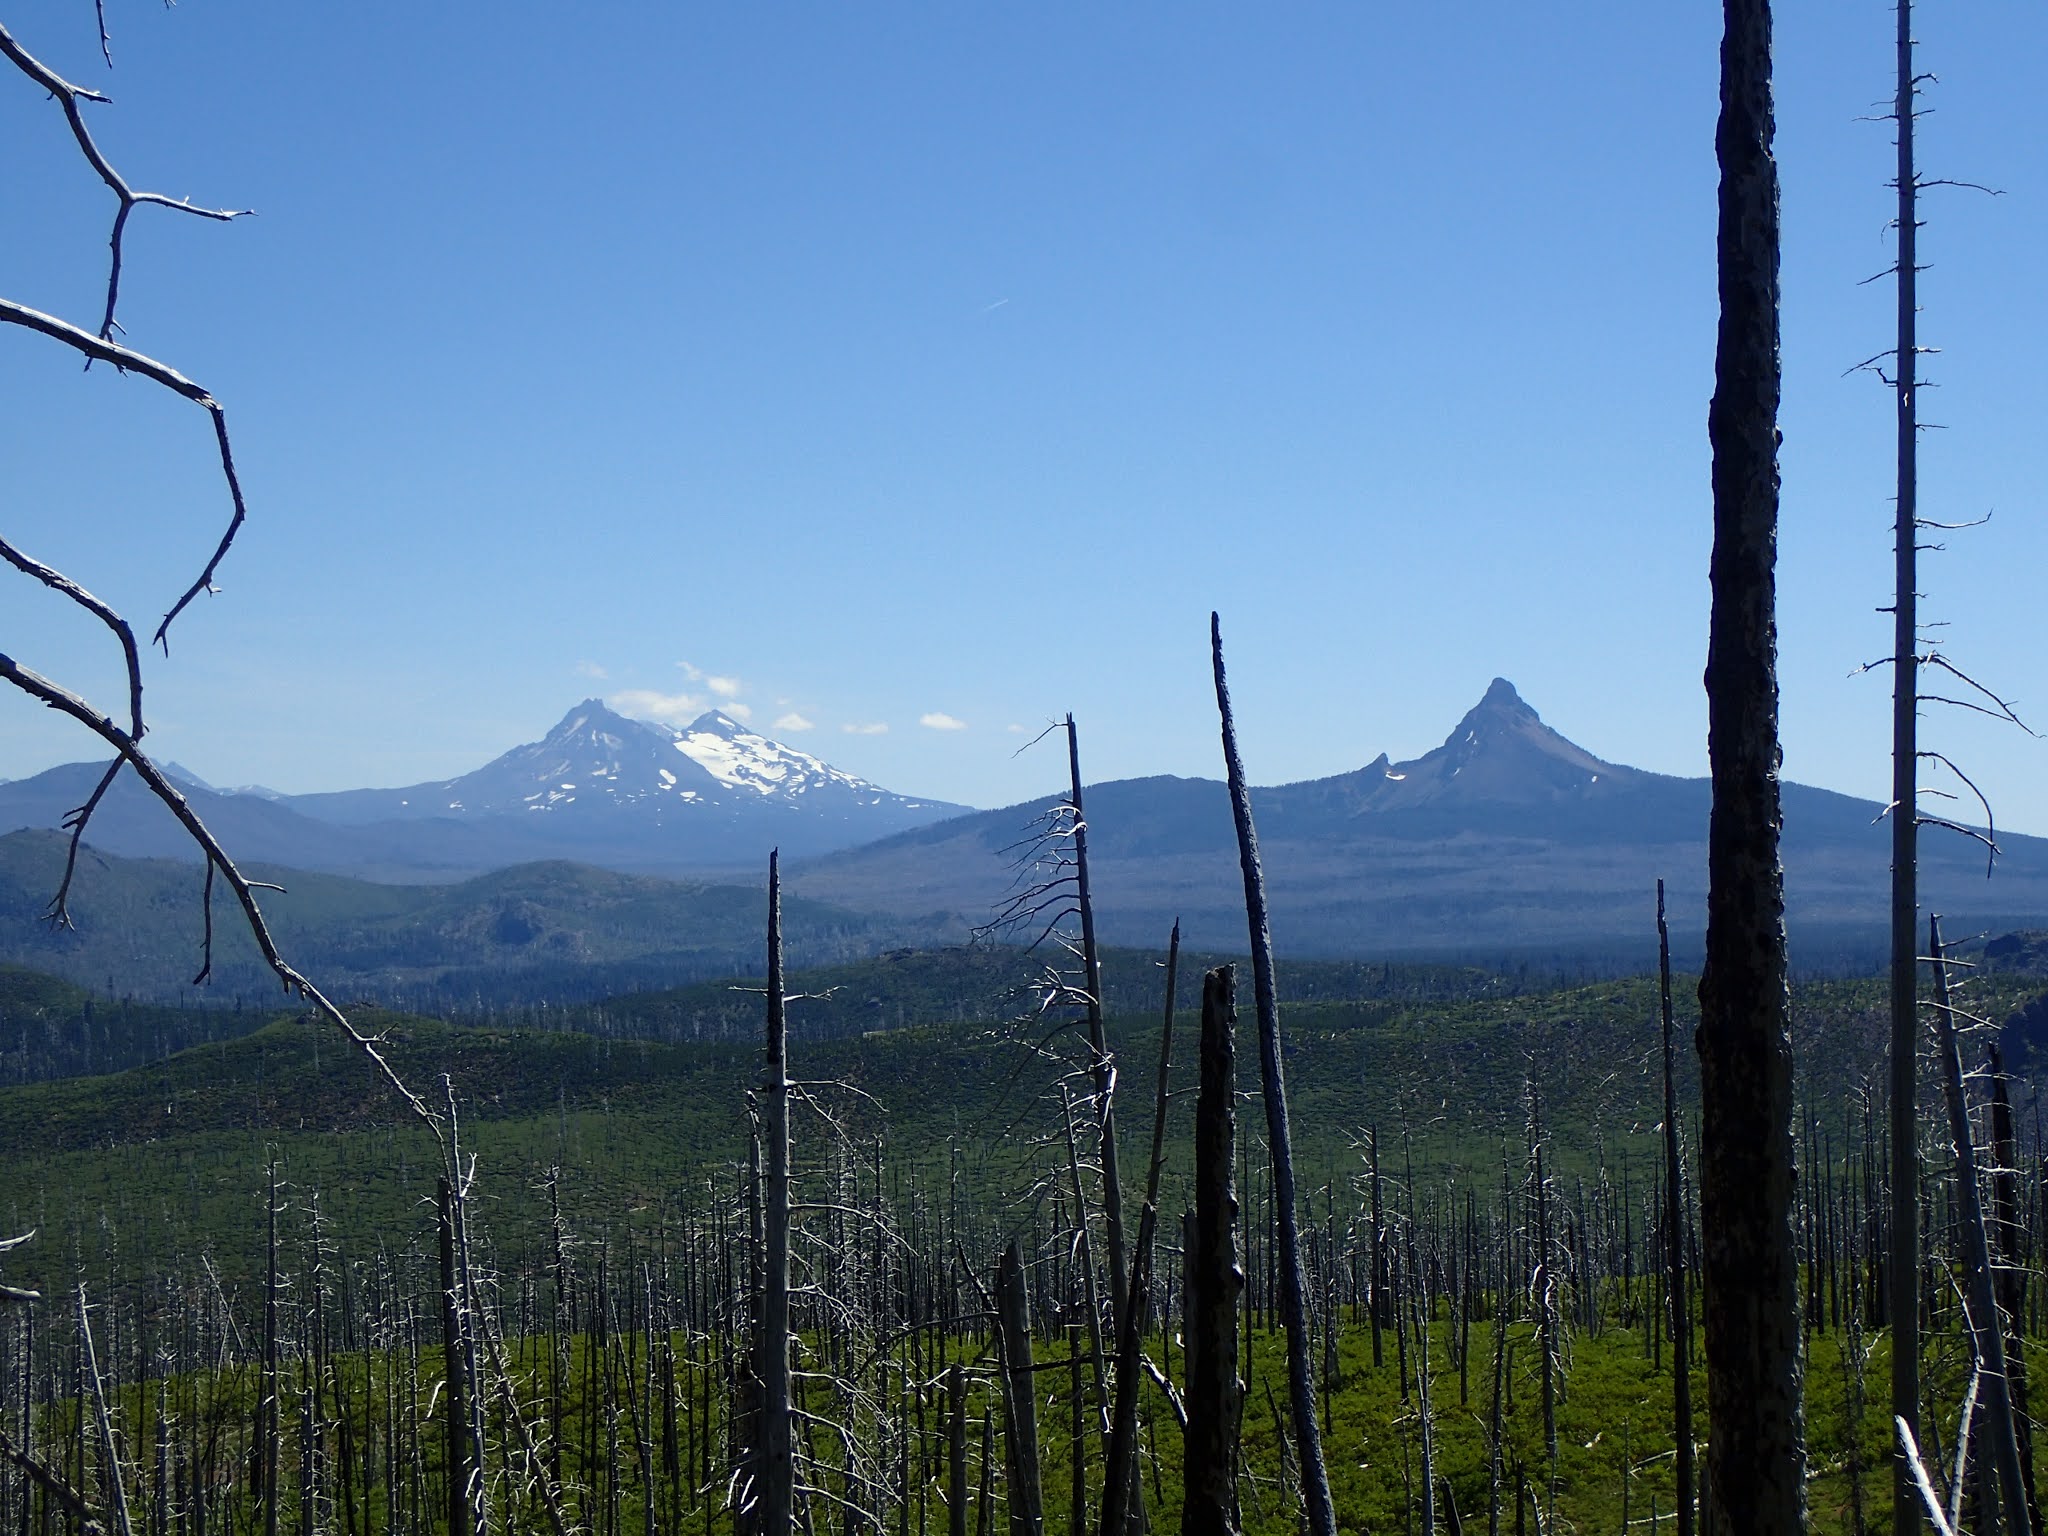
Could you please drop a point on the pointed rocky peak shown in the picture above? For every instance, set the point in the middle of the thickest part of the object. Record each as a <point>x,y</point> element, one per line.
<point>1500,708</point>
<point>184,775</point>
<point>1500,751</point>
<point>595,720</point>
<point>716,722</point>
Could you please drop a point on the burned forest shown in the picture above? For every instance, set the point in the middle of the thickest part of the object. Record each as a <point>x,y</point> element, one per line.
<point>601,1194</point>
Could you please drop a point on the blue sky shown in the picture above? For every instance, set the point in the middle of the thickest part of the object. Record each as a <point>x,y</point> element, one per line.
<point>920,362</point>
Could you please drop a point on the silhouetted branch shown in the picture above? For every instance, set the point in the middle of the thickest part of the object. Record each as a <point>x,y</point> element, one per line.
<point>130,361</point>
<point>69,97</point>
<point>68,703</point>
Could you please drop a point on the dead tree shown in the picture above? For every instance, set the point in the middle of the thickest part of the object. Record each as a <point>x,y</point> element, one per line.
<point>1756,1457</point>
<point>1987,1329</point>
<point>1904,1259</point>
<point>1215,1395</point>
<point>126,740</point>
<point>1913,654</point>
<point>1301,1390</point>
<point>775,1465</point>
<point>1053,890</point>
<point>1020,1396</point>
<point>1674,1243</point>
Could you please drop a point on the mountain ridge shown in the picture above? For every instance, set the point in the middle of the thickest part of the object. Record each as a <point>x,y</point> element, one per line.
<point>598,788</point>
<point>1505,835</point>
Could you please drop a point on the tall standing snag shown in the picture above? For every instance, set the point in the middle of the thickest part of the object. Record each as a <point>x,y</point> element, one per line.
<point>775,1464</point>
<point>1215,1395</point>
<point>1301,1391</point>
<point>1987,1328</point>
<point>1756,1457</point>
<point>1903,1278</point>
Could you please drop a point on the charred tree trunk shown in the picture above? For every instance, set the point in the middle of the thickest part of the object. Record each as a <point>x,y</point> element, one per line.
<point>1020,1396</point>
<point>1903,1277</point>
<point>1756,1458</point>
<point>776,1463</point>
<point>1301,1390</point>
<point>1120,1479</point>
<point>1215,1395</point>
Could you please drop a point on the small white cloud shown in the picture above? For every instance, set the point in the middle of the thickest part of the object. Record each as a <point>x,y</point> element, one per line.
<point>724,687</point>
<point>591,669</point>
<point>878,728</point>
<point>938,720</point>
<point>1014,730</point>
<point>794,722</point>
<point>690,672</point>
<point>647,704</point>
<point>739,711</point>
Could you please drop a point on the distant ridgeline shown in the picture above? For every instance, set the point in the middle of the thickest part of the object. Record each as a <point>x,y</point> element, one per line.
<point>530,877</point>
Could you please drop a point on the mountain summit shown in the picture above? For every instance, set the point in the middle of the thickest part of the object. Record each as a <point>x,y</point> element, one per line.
<point>1506,835</point>
<point>598,763</point>
<point>1500,753</point>
<point>599,788</point>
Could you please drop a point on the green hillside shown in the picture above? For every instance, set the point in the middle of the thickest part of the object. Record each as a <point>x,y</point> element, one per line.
<point>150,1166</point>
<point>553,932</point>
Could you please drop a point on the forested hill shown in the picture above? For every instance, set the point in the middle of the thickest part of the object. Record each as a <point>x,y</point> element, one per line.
<point>534,933</point>
<point>637,1123</point>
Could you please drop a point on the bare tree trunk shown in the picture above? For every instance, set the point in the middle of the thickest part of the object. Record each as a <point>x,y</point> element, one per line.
<point>268,1424</point>
<point>1674,1243</point>
<point>1315,1481</point>
<point>777,1459</point>
<point>1987,1330</point>
<point>1215,1395</point>
<point>1904,1259</point>
<point>1120,1479</point>
<point>2009,1266</point>
<point>1756,1456</point>
<point>1020,1396</point>
<point>1098,1044</point>
<point>1084,1248</point>
<point>1162,1095</point>
<point>117,1487</point>
<point>456,1408</point>
<point>956,1451</point>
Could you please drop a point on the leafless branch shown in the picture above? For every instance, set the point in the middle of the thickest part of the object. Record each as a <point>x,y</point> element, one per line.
<point>54,1486</point>
<point>69,97</point>
<point>2000,706</point>
<point>68,703</point>
<point>58,913</point>
<point>1969,186</point>
<point>58,582</point>
<point>1990,825</point>
<point>130,361</point>
<point>1970,832</point>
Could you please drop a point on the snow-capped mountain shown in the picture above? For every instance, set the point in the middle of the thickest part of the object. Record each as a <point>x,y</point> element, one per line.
<point>605,788</point>
<point>744,759</point>
<point>597,760</point>
<point>599,789</point>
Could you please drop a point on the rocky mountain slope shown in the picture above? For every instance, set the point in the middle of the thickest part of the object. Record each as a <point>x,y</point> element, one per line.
<point>1507,836</point>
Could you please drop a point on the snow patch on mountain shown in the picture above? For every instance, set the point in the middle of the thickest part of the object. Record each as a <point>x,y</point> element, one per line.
<point>746,760</point>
